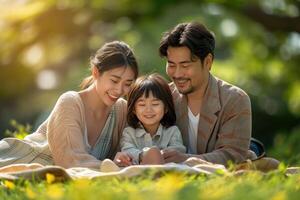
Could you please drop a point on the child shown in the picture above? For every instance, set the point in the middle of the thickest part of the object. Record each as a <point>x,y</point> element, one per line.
<point>151,119</point>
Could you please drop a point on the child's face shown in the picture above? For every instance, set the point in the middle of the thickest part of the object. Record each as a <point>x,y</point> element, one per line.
<point>149,111</point>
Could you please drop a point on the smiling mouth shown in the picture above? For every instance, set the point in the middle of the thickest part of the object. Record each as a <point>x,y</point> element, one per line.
<point>112,96</point>
<point>180,82</point>
<point>149,116</point>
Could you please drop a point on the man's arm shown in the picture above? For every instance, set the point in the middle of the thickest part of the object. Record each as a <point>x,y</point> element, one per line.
<point>233,138</point>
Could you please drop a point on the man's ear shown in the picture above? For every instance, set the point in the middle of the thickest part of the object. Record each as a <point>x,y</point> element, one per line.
<point>95,72</point>
<point>208,61</point>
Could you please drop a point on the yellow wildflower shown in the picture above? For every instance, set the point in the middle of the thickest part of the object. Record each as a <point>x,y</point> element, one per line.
<point>54,191</point>
<point>30,194</point>
<point>50,178</point>
<point>10,185</point>
<point>279,196</point>
<point>81,184</point>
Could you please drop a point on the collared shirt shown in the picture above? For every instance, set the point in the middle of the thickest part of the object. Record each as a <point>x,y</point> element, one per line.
<point>134,140</point>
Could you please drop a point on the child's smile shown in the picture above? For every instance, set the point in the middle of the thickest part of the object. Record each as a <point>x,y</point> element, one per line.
<point>149,111</point>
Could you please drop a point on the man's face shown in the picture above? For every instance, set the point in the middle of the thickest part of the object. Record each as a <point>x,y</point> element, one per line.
<point>188,74</point>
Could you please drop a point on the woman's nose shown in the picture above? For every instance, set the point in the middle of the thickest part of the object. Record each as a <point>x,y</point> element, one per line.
<point>120,89</point>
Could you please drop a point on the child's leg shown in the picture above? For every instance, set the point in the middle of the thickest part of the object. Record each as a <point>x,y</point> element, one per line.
<point>108,165</point>
<point>152,156</point>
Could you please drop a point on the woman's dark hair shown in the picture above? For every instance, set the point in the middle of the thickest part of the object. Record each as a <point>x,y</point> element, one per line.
<point>194,36</point>
<point>159,88</point>
<point>112,55</point>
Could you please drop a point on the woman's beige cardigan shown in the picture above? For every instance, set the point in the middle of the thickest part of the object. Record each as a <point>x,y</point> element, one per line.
<point>61,139</point>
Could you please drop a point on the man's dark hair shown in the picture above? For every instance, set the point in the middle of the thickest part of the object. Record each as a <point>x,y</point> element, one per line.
<point>194,36</point>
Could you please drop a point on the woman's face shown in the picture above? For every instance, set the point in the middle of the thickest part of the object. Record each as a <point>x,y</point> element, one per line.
<point>113,84</point>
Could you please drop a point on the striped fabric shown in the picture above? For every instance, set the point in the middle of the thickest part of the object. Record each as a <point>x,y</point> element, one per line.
<point>62,138</point>
<point>14,151</point>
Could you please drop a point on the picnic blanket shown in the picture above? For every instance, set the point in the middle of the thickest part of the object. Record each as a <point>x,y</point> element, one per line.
<point>191,167</point>
<point>62,174</point>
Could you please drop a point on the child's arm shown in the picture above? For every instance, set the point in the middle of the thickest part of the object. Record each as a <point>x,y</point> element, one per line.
<point>176,140</point>
<point>129,144</point>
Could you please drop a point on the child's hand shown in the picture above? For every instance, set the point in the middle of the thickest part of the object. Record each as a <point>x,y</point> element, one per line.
<point>122,159</point>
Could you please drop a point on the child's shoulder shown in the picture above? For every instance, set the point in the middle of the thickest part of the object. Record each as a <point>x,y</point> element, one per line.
<point>173,128</point>
<point>129,129</point>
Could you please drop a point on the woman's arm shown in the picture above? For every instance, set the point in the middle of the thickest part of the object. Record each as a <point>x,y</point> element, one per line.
<point>65,135</point>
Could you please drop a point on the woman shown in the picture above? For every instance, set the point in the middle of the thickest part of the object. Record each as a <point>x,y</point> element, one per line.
<point>84,127</point>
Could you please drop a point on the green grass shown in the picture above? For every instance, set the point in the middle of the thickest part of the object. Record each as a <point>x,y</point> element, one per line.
<point>252,185</point>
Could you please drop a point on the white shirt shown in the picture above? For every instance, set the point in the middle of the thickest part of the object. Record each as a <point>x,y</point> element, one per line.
<point>193,131</point>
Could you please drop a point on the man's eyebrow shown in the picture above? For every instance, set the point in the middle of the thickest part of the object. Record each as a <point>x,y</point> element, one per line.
<point>182,62</point>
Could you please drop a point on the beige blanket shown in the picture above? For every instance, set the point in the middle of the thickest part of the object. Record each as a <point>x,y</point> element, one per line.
<point>191,167</point>
<point>62,174</point>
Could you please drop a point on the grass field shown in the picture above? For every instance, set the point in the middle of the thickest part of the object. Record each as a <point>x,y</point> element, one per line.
<point>252,185</point>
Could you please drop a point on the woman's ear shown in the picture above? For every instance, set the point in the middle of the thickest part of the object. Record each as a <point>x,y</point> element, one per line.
<point>95,72</point>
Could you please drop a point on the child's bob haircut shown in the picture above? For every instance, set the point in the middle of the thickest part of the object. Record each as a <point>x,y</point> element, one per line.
<point>159,88</point>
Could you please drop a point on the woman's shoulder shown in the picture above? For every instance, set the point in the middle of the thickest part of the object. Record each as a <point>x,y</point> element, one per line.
<point>121,102</point>
<point>121,105</point>
<point>69,101</point>
<point>69,97</point>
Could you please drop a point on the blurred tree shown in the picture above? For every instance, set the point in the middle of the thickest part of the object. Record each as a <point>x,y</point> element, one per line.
<point>45,46</point>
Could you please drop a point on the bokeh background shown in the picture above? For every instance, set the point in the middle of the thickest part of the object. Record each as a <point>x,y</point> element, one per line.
<point>45,47</point>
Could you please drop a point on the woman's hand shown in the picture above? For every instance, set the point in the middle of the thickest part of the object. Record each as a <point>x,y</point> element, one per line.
<point>123,159</point>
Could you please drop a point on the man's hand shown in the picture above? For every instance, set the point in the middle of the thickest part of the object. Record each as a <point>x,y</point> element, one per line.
<point>122,159</point>
<point>172,155</point>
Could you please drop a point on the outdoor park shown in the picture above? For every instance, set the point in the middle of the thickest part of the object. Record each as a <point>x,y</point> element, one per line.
<point>45,50</point>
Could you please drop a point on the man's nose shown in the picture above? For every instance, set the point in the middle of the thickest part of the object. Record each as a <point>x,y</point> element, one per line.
<point>177,72</point>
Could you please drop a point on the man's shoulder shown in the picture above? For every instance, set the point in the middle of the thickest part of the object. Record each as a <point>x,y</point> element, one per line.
<point>228,89</point>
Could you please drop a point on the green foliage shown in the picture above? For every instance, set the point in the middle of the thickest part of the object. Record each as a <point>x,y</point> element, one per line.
<point>286,147</point>
<point>259,54</point>
<point>252,185</point>
<point>20,131</point>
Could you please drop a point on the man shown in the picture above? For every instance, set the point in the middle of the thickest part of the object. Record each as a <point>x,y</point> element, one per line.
<point>213,116</point>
